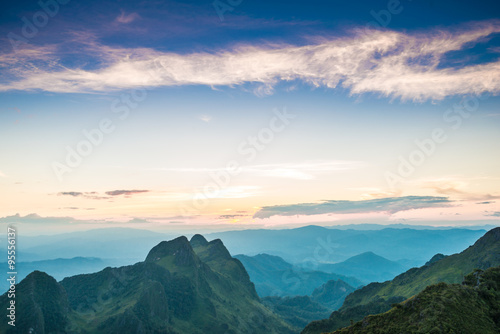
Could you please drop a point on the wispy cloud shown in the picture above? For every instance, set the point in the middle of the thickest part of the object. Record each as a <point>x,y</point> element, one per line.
<point>71,193</point>
<point>125,192</point>
<point>446,186</point>
<point>234,192</point>
<point>494,214</point>
<point>205,118</point>
<point>2,174</point>
<point>96,195</point>
<point>298,171</point>
<point>231,216</point>
<point>388,63</point>
<point>390,205</point>
<point>302,171</point>
<point>127,18</point>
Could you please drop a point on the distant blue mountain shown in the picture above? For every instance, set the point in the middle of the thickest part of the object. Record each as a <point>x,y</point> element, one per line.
<point>58,268</point>
<point>273,276</point>
<point>315,245</point>
<point>368,267</point>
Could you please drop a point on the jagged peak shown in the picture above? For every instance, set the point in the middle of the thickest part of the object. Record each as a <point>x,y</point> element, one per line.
<point>40,276</point>
<point>435,258</point>
<point>493,233</point>
<point>217,247</point>
<point>198,240</point>
<point>490,238</point>
<point>179,248</point>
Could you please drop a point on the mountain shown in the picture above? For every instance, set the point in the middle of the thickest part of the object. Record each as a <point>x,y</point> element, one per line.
<point>273,276</point>
<point>367,267</point>
<point>112,243</point>
<point>315,245</point>
<point>298,311</point>
<point>332,293</point>
<point>378,297</point>
<point>182,287</point>
<point>41,306</point>
<point>58,268</point>
<point>473,307</point>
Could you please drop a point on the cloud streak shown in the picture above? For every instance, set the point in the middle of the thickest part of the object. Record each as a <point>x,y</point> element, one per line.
<point>387,63</point>
<point>390,205</point>
<point>95,195</point>
<point>494,214</point>
<point>125,192</point>
<point>297,171</point>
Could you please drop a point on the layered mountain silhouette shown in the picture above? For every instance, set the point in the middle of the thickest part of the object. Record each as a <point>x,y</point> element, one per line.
<point>182,287</point>
<point>379,297</point>
<point>273,276</point>
<point>298,311</point>
<point>470,307</point>
<point>367,267</point>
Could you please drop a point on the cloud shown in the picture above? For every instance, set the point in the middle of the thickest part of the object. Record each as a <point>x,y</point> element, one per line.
<point>230,216</point>
<point>388,63</point>
<point>487,202</point>
<point>87,195</point>
<point>205,118</point>
<point>125,192</point>
<point>36,219</point>
<point>2,174</point>
<point>138,221</point>
<point>127,18</point>
<point>301,171</point>
<point>494,214</point>
<point>390,205</point>
<point>446,186</point>
<point>71,193</point>
<point>95,195</point>
<point>298,171</point>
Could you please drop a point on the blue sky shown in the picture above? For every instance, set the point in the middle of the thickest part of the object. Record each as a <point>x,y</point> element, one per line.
<point>121,111</point>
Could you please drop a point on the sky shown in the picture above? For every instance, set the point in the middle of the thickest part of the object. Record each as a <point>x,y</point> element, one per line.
<point>239,114</point>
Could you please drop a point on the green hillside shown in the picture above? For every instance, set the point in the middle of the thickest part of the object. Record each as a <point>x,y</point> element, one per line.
<point>378,297</point>
<point>483,254</point>
<point>178,289</point>
<point>473,307</point>
<point>332,294</point>
<point>273,276</point>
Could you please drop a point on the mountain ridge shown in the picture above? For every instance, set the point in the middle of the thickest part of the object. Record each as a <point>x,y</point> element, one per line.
<point>173,291</point>
<point>378,297</point>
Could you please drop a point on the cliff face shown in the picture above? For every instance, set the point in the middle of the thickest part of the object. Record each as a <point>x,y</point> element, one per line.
<point>177,289</point>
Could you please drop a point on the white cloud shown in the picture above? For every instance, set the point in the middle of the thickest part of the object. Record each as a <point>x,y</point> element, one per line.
<point>2,174</point>
<point>388,63</point>
<point>302,171</point>
<point>205,118</point>
<point>298,171</point>
<point>127,18</point>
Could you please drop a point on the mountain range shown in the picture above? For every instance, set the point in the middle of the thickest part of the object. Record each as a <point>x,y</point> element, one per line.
<point>367,267</point>
<point>313,246</point>
<point>273,276</point>
<point>470,307</point>
<point>182,287</point>
<point>379,297</point>
<point>59,268</point>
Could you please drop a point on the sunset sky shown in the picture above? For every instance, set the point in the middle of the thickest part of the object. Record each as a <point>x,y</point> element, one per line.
<point>235,114</point>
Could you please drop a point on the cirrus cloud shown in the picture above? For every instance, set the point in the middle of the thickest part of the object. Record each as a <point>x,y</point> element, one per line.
<point>388,63</point>
<point>390,205</point>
